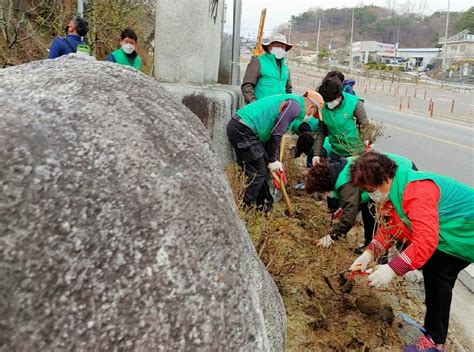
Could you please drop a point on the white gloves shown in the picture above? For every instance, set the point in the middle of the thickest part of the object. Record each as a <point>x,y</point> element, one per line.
<point>316,160</point>
<point>326,241</point>
<point>381,276</point>
<point>276,166</point>
<point>362,262</point>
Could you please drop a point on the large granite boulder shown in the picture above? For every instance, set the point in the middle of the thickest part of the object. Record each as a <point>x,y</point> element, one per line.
<point>117,227</point>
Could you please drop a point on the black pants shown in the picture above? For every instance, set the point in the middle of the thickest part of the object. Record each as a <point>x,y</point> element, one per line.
<point>370,225</point>
<point>440,273</point>
<point>252,157</point>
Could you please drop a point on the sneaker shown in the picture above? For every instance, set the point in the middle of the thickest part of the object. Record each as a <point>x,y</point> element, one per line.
<point>424,344</point>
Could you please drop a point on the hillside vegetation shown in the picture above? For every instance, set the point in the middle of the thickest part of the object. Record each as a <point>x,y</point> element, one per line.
<point>372,23</point>
<point>27,27</point>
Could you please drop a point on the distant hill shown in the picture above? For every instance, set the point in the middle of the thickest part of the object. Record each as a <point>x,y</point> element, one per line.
<point>370,23</point>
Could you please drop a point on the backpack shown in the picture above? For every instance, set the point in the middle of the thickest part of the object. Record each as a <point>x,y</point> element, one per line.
<point>82,49</point>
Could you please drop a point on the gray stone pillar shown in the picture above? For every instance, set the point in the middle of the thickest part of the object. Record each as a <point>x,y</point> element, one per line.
<point>188,40</point>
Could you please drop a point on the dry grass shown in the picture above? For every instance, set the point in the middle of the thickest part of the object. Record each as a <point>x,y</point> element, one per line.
<point>318,319</point>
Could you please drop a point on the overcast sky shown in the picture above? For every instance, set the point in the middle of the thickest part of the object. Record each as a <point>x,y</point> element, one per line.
<point>279,11</point>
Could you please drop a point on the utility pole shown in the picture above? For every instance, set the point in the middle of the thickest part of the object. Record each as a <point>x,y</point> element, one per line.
<point>352,38</point>
<point>317,40</point>
<point>396,51</point>
<point>317,43</point>
<point>236,43</point>
<point>80,8</point>
<point>445,49</point>
<point>289,39</point>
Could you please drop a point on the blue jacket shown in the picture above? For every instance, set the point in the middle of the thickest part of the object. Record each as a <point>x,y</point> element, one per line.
<point>64,45</point>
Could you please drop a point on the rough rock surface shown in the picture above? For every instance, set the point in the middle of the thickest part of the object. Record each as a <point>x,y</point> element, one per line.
<point>117,227</point>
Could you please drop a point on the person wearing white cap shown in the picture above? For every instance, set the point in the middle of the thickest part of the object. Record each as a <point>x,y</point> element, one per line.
<point>268,74</point>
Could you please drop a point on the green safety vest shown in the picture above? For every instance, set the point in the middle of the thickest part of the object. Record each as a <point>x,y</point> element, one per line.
<point>313,125</point>
<point>121,58</point>
<point>345,174</point>
<point>455,208</point>
<point>342,129</point>
<point>260,116</point>
<point>272,80</point>
<point>312,122</point>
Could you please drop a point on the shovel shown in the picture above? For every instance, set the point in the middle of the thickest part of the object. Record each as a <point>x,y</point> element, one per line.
<point>283,192</point>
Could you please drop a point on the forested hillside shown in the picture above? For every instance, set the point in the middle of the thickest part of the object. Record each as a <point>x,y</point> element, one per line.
<point>372,23</point>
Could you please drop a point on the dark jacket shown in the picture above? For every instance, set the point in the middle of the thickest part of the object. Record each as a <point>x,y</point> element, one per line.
<point>349,200</point>
<point>64,45</point>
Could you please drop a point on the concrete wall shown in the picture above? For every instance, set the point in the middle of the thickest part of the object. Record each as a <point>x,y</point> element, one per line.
<point>187,41</point>
<point>214,105</point>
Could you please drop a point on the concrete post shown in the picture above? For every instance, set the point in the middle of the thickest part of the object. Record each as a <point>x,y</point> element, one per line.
<point>187,41</point>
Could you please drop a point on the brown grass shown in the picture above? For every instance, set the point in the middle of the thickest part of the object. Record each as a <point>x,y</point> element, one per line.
<point>318,319</point>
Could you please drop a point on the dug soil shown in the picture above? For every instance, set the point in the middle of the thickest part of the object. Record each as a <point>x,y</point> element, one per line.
<point>353,317</point>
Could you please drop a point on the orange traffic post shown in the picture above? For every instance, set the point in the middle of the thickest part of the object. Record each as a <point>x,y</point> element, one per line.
<point>432,109</point>
<point>401,104</point>
<point>452,106</point>
<point>429,104</point>
<point>408,103</point>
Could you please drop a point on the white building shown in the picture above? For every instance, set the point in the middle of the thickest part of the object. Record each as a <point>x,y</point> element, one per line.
<point>367,50</point>
<point>418,58</point>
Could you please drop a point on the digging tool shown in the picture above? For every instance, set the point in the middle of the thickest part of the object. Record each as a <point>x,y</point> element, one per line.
<point>353,274</point>
<point>283,192</point>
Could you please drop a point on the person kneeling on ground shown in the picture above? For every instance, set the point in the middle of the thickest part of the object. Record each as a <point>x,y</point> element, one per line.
<point>434,215</point>
<point>327,176</point>
<point>255,132</point>
<point>305,129</point>
<point>127,54</point>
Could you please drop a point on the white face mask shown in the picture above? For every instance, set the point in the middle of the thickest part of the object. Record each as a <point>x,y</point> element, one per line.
<point>332,104</point>
<point>378,196</point>
<point>278,52</point>
<point>307,117</point>
<point>128,48</point>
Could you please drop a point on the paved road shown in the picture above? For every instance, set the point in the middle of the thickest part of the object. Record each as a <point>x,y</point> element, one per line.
<point>434,145</point>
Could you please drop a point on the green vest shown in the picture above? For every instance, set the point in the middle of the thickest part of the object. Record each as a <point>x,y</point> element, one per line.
<point>312,122</point>
<point>345,175</point>
<point>342,129</point>
<point>271,80</point>
<point>122,58</point>
<point>260,116</point>
<point>455,208</point>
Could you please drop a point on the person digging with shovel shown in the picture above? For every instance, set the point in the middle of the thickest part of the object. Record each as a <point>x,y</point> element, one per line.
<point>255,132</point>
<point>334,175</point>
<point>434,215</point>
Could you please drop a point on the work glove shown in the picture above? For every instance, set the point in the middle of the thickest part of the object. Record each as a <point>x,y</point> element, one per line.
<point>381,276</point>
<point>276,166</point>
<point>281,175</point>
<point>316,160</point>
<point>326,241</point>
<point>362,261</point>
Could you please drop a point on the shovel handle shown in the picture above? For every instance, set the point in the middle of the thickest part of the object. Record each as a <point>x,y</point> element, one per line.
<point>283,192</point>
